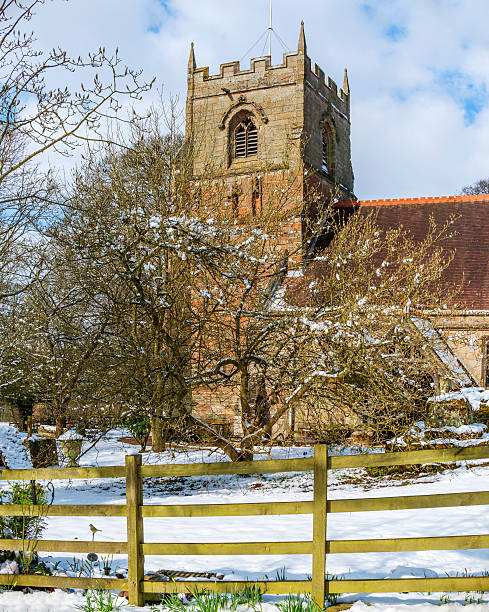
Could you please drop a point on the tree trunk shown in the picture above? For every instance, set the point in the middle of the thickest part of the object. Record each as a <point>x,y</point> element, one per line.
<point>291,428</point>
<point>246,454</point>
<point>157,433</point>
<point>60,425</point>
<point>25,412</point>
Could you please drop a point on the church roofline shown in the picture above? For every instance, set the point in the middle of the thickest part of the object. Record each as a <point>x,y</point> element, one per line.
<point>411,201</point>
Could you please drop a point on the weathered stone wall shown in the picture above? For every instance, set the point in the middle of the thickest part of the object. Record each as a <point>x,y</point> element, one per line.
<point>466,334</point>
<point>290,104</point>
<point>323,104</point>
<point>272,94</point>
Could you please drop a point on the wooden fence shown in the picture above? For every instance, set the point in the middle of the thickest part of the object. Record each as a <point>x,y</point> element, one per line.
<point>135,511</point>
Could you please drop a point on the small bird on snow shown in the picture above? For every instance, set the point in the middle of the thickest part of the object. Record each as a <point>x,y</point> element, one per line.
<point>94,530</point>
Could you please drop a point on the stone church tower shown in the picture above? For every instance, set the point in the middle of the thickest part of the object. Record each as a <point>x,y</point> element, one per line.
<point>251,128</point>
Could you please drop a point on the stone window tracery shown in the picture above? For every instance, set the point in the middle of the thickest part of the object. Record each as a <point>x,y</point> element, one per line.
<point>325,160</point>
<point>329,141</point>
<point>328,151</point>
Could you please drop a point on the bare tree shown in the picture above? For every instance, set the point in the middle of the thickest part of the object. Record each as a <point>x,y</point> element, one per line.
<point>51,350</point>
<point>208,301</point>
<point>36,119</point>
<point>479,187</point>
<point>133,217</point>
<point>53,118</point>
<point>368,300</point>
<point>343,340</point>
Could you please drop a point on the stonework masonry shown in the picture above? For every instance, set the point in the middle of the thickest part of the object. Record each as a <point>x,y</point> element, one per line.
<point>293,107</point>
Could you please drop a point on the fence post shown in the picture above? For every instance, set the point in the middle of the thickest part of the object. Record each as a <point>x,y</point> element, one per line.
<point>135,534</point>
<point>319,523</point>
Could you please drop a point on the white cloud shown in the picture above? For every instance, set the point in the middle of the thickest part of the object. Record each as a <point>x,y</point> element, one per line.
<point>412,64</point>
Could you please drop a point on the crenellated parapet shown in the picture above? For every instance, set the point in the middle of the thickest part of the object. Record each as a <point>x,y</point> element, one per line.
<point>231,76</point>
<point>325,86</point>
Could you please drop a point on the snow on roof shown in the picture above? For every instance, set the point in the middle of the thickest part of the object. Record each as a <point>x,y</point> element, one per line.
<point>442,350</point>
<point>12,449</point>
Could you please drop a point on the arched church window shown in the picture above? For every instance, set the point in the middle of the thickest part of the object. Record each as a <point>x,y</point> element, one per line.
<point>245,139</point>
<point>328,152</point>
<point>325,160</point>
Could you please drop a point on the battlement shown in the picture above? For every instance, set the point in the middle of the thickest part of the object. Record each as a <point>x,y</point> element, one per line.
<point>257,65</point>
<point>295,65</point>
<point>326,87</point>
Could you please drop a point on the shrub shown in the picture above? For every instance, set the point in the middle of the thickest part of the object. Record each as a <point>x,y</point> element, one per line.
<point>481,415</point>
<point>22,527</point>
<point>409,470</point>
<point>139,425</point>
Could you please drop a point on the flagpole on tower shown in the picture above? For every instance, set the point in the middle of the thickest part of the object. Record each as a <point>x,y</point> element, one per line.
<point>270,28</point>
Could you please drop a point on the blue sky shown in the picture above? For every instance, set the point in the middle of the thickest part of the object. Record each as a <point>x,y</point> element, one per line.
<point>419,70</point>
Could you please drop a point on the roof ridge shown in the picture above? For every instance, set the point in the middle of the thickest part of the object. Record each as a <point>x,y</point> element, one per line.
<point>481,197</point>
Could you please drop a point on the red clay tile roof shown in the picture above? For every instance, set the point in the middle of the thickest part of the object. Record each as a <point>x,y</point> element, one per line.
<point>470,242</point>
<point>428,200</point>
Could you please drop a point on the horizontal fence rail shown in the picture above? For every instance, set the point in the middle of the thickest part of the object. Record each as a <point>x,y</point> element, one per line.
<point>62,582</point>
<point>115,471</point>
<point>67,546</point>
<point>228,548</point>
<point>408,544</point>
<point>245,509</point>
<point>226,468</point>
<point>410,502</point>
<point>405,585</point>
<point>463,453</point>
<point>62,510</point>
<point>283,587</point>
<point>135,511</point>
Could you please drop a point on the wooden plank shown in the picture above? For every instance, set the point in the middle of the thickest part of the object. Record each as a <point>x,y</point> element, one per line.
<point>68,546</point>
<point>319,523</point>
<point>187,586</point>
<point>406,585</point>
<point>62,510</point>
<point>244,467</point>
<point>467,542</point>
<point>115,471</point>
<point>410,502</point>
<point>246,509</point>
<point>440,455</point>
<point>62,582</point>
<point>227,548</point>
<point>135,533</point>
<point>255,467</point>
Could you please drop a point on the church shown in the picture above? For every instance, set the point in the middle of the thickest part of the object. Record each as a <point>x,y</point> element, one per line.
<point>252,126</point>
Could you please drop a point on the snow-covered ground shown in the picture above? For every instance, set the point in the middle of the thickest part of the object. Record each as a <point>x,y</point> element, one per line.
<point>275,487</point>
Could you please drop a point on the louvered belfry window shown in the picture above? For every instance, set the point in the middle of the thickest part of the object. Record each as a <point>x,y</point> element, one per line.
<point>245,139</point>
